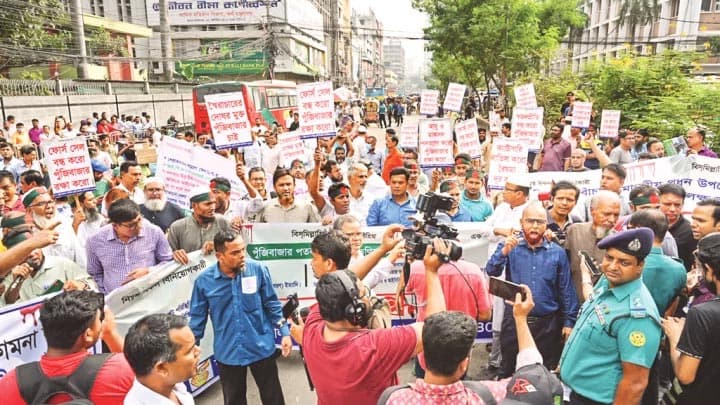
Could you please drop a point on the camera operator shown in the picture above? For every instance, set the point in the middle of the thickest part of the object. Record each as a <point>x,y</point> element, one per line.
<point>347,362</point>
<point>529,258</point>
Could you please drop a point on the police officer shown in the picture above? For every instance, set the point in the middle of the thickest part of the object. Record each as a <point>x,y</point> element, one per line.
<point>608,356</point>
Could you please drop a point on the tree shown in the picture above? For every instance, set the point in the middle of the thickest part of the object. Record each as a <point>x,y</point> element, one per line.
<point>634,13</point>
<point>33,30</point>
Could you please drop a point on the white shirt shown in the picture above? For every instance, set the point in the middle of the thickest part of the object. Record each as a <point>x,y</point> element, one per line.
<point>142,395</point>
<point>69,133</point>
<point>270,159</point>
<point>376,185</point>
<point>359,207</point>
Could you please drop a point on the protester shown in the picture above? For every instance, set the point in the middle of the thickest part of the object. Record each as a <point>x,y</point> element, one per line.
<point>672,199</point>
<point>564,196</point>
<point>555,154</point>
<point>130,176</point>
<point>473,200</point>
<point>696,143</point>
<point>393,159</point>
<point>285,207</point>
<point>156,208</point>
<point>396,207</point>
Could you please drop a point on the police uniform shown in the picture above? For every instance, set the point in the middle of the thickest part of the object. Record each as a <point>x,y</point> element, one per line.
<point>615,325</point>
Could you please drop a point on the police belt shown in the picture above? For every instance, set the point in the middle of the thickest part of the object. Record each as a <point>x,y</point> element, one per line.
<point>536,319</point>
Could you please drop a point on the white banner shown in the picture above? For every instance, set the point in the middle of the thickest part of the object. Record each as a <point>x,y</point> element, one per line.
<point>68,164</point>
<point>527,127</point>
<point>185,166</point>
<point>291,147</point>
<point>316,109</point>
<point>582,114</point>
<point>229,120</point>
<point>429,102</point>
<point>436,144</point>
<point>466,133</point>
<point>454,97</point>
<point>509,157</point>
<point>525,96</point>
<point>495,121</point>
<point>609,124</point>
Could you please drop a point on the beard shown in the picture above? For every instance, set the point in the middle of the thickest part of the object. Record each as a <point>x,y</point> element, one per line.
<point>35,264</point>
<point>41,221</point>
<point>156,204</point>
<point>92,214</point>
<point>601,232</point>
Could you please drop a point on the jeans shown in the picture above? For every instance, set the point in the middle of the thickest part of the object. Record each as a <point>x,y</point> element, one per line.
<point>265,373</point>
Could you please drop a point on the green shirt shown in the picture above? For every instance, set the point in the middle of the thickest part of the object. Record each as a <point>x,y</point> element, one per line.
<point>615,325</point>
<point>663,277</point>
<point>101,188</point>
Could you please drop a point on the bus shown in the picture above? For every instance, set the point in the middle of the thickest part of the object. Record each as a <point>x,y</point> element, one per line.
<point>269,100</point>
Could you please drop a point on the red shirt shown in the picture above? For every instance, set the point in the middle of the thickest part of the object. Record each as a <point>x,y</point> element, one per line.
<point>357,368</point>
<point>112,383</point>
<point>393,160</point>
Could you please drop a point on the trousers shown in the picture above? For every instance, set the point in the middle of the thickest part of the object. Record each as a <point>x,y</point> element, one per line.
<point>547,332</point>
<point>265,373</point>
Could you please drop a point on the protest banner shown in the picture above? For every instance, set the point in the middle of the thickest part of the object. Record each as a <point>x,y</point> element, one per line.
<point>525,96</point>
<point>228,120</point>
<point>509,157</point>
<point>527,127</point>
<point>429,102</point>
<point>609,124</point>
<point>316,109</point>
<point>495,121</point>
<point>409,135</point>
<point>582,114</point>
<point>675,146</point>
<point>184,166</point>
<point>291,147</point>
<point>454,97</point>
<point>466,133</point>
<point>435,145</point>
<point>68,163</point>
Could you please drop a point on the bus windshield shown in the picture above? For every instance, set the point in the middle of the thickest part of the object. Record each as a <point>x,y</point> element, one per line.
<point>216,88</point>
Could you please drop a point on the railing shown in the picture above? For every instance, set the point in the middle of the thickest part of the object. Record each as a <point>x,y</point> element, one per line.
<point>15,87</point>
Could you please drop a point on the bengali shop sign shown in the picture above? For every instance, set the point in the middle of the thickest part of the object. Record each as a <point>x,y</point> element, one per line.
<point>454,97</point>
<point>69,167</point>
<point>468,142</point>
<point>316,108</point>
<point>228,120</point>
<point>582,114</point>
<point>527,126</point>
<point>436,143</point>
<point>609,124</point>
<point>184,166</point>
<point>509,157</point>
<point>525,96</point>
<point>429,102</point>
<point>204,12</point>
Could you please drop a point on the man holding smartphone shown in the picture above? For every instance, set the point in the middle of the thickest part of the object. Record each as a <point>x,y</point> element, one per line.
<point>529,258</point>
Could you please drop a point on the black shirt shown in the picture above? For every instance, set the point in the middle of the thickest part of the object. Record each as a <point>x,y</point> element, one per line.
<point>686,244</point>
<point>164,218</point>
<point>700,339</point>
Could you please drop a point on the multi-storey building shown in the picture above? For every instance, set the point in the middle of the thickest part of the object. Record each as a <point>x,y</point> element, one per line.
<point>367,51</point>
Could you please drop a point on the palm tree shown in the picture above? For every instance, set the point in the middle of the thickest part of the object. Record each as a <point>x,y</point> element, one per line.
<point>638,12</point>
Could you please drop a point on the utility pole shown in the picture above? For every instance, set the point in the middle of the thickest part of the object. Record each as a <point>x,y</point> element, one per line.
<point>79,36</point>
<point>271,48</point>
<point>165,44</point>
<point>334,66</point>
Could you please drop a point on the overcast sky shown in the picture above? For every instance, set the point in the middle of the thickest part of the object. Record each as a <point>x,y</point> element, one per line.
<point>399,19</point>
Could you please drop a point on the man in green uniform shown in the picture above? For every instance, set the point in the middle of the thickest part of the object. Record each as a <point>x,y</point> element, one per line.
<point>608,356</point>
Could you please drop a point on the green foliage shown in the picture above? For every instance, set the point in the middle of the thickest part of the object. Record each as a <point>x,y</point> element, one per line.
<point>100,42</point>
<point>638,12</point>
<point>551,91</point>
<point>34,25</point>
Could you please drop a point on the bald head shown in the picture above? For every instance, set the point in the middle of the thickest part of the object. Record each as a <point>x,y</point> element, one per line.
<point>604,197</point>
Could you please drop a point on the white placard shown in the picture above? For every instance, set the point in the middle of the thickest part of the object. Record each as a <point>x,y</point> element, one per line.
<point>409,135</point>
<point>466,133</point>
<point>454,97</point>
<point>582,113</point>
<point>525,96</point>
<point>316,108</point>
<point>69,168</point>
<point>609,124</point>
<point>429,102</point>
<point>228,120</point>
<point>436,144</point>
<point>527,126</point>
<point>291,147</point>
<point>509,157</point>
<point>495,121</point>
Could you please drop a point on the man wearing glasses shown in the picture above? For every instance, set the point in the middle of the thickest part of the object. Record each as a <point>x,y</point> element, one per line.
<point>527,257</point>
<point>126,248</point>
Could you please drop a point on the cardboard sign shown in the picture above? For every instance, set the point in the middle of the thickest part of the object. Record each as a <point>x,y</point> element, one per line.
<point>466,133</point>
<point>316,109</point>
<point>582,114</point>
<point>527,127</point>
<point>525,96</point>
<point>409,135</point>
<point>68,163</point>
<point>454,97</point>
<point>436,143</point>
<point>429,102</point>
<point>145,153</point>
<point>291,147</point>
<point>609,124</point>
<point>228,120</point>
<point>509,157</point>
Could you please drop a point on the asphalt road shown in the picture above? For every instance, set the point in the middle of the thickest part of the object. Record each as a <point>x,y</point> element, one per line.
<point>295,386</point>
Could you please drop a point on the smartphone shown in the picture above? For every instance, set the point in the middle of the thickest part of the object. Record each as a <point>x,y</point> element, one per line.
<point>588,261</point>
<point>290,306</point>
<point>505,289</point>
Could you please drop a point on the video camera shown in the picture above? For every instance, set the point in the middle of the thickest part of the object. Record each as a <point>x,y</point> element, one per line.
<point>421,235</point>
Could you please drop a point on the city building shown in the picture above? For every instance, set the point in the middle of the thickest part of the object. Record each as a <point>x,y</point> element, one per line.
<point>367,51</point>
<point>394,60</point>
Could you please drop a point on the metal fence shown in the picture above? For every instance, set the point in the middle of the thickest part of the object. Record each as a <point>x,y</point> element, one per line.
<point>13,87</point>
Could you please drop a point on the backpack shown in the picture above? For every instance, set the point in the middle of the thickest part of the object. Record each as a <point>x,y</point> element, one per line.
<point>36,388</point>
<point>475,386</point>
<point>381,317</point>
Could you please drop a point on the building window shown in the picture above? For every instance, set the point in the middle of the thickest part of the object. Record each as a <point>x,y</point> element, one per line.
<point>717,6</point>
<point>705,6</point>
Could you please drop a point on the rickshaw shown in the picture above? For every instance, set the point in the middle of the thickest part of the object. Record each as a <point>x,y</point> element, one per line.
<point>371,112</point>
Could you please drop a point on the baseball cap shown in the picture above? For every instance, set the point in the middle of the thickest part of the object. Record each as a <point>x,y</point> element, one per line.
<point>533,385</point>
<point>98,166</point>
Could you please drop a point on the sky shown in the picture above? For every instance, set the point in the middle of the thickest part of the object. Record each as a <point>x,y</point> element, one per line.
<point>399,19</point>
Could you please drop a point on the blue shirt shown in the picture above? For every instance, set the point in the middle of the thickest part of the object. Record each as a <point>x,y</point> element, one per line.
<point>385,211</point>
<point>461,216</point>
<point>546,270</point>
<point>479,209</point>
<point>244,311</point>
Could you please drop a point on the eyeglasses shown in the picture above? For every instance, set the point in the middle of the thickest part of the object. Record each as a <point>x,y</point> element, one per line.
<point>44,204</point>
<point>533,221</point>
<point>132,225</point>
